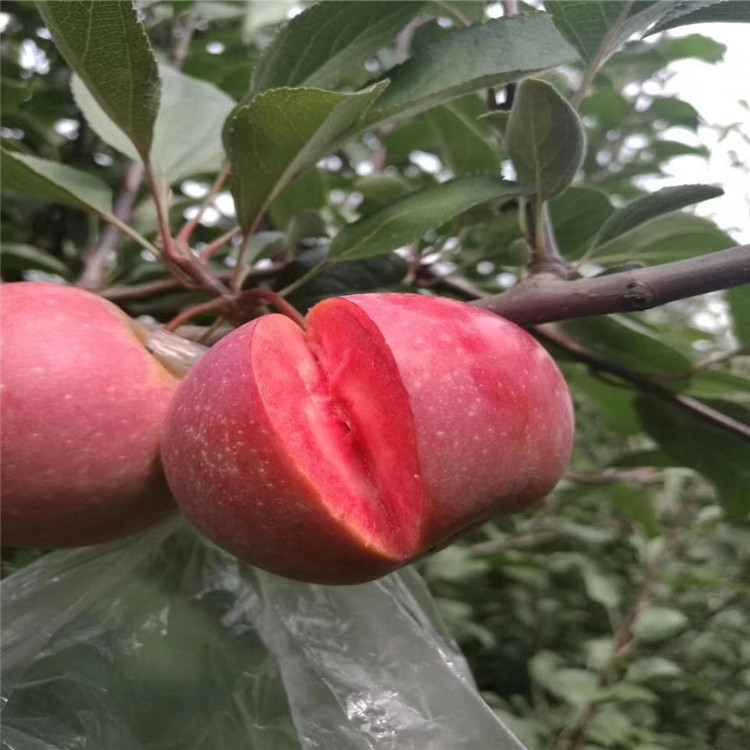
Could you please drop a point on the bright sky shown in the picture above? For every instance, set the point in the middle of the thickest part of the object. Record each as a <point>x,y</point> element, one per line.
<point>717,92</point>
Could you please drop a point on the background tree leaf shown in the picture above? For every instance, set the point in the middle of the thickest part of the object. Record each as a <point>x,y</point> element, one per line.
<point>655,204</point>
<point>465,140</point>
<point>665,238</point>
<point>347,277</point>
<point>577,214</point>
<point>177,151</point>
<point>281,132</point>
<point>715,452</point>
<point>410,217</point>
<point>323,43</point>
<point>739,304</point>
<point>464,60</point>
<point>544,138</point>
<point>622,341</point>
<point>54,182</point>
<point>106,45</point>
<point>597,28</point>
<point>15,256</point>
<point>720,11</point>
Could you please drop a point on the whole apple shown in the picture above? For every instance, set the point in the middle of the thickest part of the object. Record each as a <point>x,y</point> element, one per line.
<point>82,406</point>
<point>388,425</point>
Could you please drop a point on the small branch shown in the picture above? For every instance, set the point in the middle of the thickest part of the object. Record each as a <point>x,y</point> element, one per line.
<point>210,250</point>
<point>642,382</point>
<point>520,541</point>
<point>624,637</point>
<point>187,231</point>
<point>215,306</point>
<point>302,280</point>
<point>546,258</point>
<point>168,286</point>
<point>547,299</point>
<point>99,255</point>
<point>716,359</point>
<point>182,40</point>
<point>642,475</point>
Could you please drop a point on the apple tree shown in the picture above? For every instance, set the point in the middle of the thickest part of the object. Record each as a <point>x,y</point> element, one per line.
<point>197,162</point>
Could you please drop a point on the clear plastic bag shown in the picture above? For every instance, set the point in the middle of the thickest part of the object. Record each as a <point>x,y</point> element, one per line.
<point>163,641</point>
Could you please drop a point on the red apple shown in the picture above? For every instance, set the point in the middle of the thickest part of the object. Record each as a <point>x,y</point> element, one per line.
<point>82,406</point>
<point>392,423</point>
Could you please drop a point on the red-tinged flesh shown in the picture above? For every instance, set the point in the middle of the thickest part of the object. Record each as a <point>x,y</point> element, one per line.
<point>322,392</point>
<point>260,458</point>
<point>365,385</point>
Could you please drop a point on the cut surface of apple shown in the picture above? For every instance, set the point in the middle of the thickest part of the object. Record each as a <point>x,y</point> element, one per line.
<point>337,453</point>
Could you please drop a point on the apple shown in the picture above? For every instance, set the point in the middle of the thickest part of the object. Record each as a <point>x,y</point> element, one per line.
<point>389,424</point>
<point>82,404</point>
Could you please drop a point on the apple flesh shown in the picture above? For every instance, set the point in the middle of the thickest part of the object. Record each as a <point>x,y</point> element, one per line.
<point>82,406</point>
<point>392,423</point>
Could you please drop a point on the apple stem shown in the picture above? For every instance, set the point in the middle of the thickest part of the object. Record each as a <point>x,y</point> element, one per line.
<point>217,306</point>
<point>263,295</point>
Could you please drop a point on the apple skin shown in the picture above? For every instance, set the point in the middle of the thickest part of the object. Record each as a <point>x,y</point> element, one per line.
<point>388,426</point>
<point>82,404</point>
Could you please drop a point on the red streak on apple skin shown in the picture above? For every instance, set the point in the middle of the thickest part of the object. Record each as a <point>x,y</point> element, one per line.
<point>392,424</point>
<point>493,414</point>
<point>82,403</point>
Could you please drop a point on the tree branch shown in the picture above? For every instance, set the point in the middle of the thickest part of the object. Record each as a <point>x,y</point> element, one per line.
<point>642,382</point>
<point>100,256</point>
<point>545,299</point>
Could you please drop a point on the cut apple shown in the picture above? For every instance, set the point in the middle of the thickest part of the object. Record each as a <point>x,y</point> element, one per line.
<point>338,452</point>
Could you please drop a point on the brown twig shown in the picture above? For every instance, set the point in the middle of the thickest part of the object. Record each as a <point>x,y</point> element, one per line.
<point>625,636</point>
<point>99,256</point>
<point>547,299</point>
<point>169,286</point>
<point>187,231</point>
<point>641,381</point>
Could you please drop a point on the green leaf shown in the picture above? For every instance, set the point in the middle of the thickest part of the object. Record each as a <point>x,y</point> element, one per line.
<point>577,214</point>
<point>599,587</point>
<point>666,238</point>
<point>613,406</point>
<point>54,182</point>
<point>544,138</point>
<point>686,13</point>
<point>661,202</point>
<point>673,111</point>
<point>258,15</point>
<point>464,140</point>
<point>739,304</point>
<point>279,134</point>
<point>324,43</point>
<point>624,342</point>
<point>652,668</point>
<point>692,46</point>
<point>307,193</point>
<point>380,189</point>
<point>467,59</point>
<point>183,144</point>
<point>598,28</point>
<point>15,256</point>
<point>106,45</point>
<point>655,624</point>
<point>714,451</point>
<point>410,217</point>
<point>368,275</point>
<point>607,106</point>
